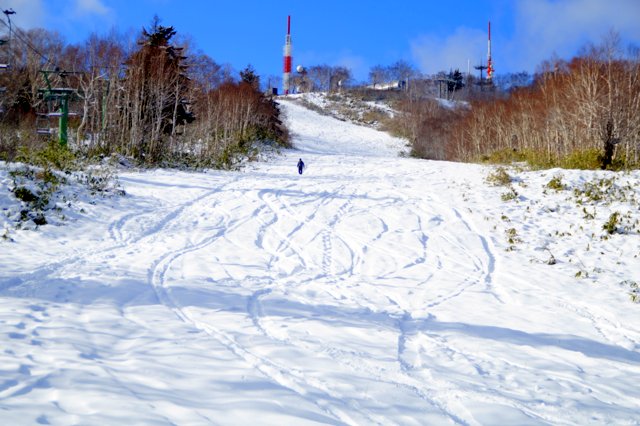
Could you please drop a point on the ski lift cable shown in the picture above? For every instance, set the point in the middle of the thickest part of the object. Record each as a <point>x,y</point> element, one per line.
<point>18,33</point>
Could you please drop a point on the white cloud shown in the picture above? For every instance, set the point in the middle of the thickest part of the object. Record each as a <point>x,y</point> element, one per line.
<point>545,27</point>
<point>91,7</point>
<point>456,51</point>
<point>355,63</point>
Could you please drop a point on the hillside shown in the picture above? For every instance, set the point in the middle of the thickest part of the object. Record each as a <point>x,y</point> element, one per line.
<point>372,289</point>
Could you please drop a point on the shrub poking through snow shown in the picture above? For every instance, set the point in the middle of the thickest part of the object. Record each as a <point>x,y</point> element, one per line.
<point>6,236</point>
<point>599,190</point>
<point>511,194</point>
<point>552,259</point>
<point>24,194</point>
<point>556,183</point>
<point>589,215</point>
<point>611,225</point>
<point>512,238</point>
<point>634,293</point>
<point>583,215</point>
<point>499,177</point>
<point>43,192</point>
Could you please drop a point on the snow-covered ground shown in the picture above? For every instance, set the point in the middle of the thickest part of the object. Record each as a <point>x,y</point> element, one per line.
<point>372,289</point>
<point>345,107</point>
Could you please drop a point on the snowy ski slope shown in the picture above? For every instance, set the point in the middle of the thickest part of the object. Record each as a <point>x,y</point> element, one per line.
<point>371,290</point>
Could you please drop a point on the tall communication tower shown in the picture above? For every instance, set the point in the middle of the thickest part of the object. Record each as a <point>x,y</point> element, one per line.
<point>287,59</point>
<point>489,61</point>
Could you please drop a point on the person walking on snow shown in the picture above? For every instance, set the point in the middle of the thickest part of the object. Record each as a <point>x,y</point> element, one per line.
<point>300,166</point>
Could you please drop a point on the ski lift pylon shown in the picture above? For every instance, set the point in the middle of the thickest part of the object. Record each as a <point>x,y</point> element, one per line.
<point>57,101</point>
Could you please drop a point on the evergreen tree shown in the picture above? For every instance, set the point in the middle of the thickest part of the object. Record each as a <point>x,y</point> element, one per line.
<point>249,76</point>
<point>455,80</point>
<point>157,86</point>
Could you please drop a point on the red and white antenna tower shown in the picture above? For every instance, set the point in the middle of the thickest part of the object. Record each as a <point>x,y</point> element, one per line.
<point>287,59</point>
<point>489,61</point>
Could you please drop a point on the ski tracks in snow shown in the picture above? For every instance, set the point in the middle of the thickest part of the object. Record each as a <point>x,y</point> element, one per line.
<point>334,404</point>
<point>326,231</point>
<point>148,222</point>
<point>313,221</point>
<point>363,289</point>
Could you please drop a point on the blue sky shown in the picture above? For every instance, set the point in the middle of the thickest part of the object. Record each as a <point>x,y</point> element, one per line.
<point>431,35</point>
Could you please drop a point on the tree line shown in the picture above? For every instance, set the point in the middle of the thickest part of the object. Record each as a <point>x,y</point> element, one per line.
<point>150,99</point>
<point>582,113</point>
<point>162,102</point>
